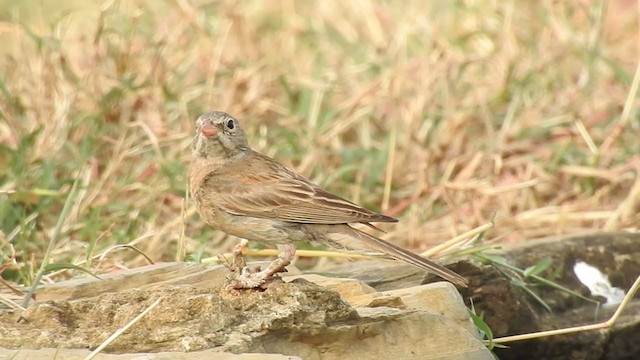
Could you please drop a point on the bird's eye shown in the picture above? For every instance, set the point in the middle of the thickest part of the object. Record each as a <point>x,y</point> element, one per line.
<point>230,124</point>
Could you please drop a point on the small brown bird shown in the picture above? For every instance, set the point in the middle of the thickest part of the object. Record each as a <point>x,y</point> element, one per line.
<point>250,195</point>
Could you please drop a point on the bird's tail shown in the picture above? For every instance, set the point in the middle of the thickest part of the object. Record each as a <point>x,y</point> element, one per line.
<point>398,253</point>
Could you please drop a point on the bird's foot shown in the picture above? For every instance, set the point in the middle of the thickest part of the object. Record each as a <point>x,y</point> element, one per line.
<point>249,278</point>
<point>244,277</point>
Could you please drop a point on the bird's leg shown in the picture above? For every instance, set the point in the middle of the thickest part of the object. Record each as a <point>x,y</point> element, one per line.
<point>285,256</point>
<point>238,263</point>
<point>238,259</point>
<point>262,279</point>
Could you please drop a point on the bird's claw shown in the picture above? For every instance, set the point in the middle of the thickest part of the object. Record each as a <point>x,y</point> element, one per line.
<point>244,277</point>
<point>249,278</point>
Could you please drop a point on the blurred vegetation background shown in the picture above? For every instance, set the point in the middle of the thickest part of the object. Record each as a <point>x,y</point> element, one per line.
<point>442,114</point>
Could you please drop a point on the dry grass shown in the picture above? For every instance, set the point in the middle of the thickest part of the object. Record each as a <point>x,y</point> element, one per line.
<point>441,115</point>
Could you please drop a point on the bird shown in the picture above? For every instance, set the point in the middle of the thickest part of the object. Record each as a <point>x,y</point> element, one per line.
<point>252,196</point>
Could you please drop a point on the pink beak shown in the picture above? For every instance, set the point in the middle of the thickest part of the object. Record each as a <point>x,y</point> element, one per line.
<point>209,130</point>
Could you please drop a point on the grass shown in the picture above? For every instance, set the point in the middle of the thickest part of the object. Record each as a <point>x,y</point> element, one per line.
<point>440,114</point>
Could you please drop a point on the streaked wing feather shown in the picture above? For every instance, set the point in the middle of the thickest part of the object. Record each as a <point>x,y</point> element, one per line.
<point>292,198</point>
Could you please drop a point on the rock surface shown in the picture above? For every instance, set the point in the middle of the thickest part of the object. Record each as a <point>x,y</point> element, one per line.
<point>342,318</point>
<point>77,354</point>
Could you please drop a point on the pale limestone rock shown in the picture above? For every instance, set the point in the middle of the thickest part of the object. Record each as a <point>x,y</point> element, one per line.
<point>78,354</point>
<point>341,319</point>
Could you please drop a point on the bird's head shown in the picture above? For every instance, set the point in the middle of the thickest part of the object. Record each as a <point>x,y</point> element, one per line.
<point>218,135</point>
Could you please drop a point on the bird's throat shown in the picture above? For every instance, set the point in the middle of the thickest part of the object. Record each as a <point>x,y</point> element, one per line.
<point>215,151</point>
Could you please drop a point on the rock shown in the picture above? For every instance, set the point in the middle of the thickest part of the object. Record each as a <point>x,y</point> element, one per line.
<point>145,277</point>
<point>347,288</point>
<point>297,318</point>
<point>438,298</point>
<point>491,292</point>
<point>187,319</point>
<point>380,275</point>
<point>423,335</point>
<point>386,275</point>
<point>77,354</point>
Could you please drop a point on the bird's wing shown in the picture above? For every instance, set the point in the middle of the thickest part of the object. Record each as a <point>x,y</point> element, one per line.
<point>272,191</point>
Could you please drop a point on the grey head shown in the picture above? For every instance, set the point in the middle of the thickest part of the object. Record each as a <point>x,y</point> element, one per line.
<point>219,135</point>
